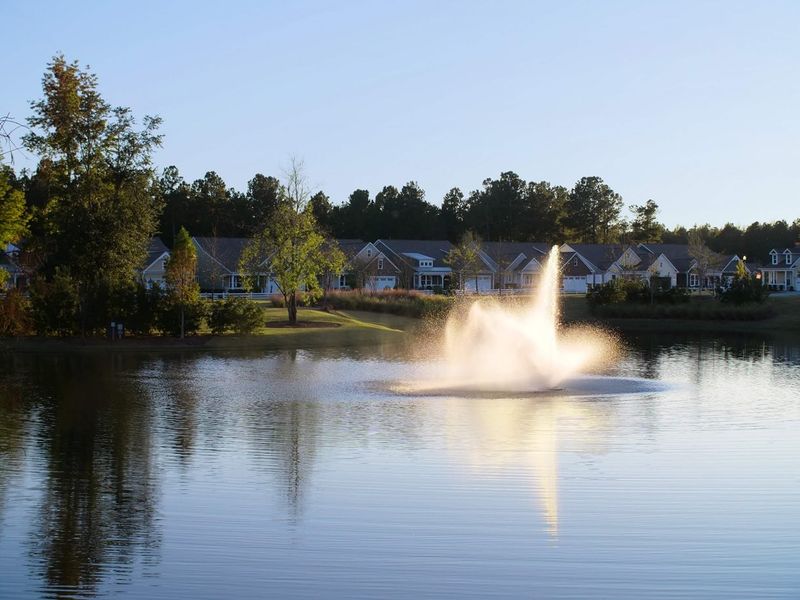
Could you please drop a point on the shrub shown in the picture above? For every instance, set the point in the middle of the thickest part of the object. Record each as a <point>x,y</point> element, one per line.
<point>745,290</point>
<point>142,315</point>
<point>169,316</point>
<point>15,314</point>
<point>408,303</point>
<point>239,314</point>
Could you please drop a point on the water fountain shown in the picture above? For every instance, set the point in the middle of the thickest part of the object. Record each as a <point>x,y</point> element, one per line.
<point>496,346</point>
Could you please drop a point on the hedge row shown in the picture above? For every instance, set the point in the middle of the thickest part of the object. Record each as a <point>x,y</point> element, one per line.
<point>397,302</point>
<point>707,311</point>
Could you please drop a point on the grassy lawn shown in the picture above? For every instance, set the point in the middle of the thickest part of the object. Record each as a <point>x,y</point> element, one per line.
<point>352,328</point>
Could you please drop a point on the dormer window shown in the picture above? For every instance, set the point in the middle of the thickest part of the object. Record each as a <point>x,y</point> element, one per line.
<point>788,258</point>
<point>774,258</point>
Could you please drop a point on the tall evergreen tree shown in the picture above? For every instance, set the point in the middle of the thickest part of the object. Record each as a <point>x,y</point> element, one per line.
<point>645,226</point>
<point>593,212</point>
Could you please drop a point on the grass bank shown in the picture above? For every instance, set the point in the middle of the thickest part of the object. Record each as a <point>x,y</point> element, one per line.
<point>340,328</point>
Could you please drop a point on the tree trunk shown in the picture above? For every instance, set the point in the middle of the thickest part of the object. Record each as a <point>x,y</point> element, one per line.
<point>291,307</point>
<point>183,313</point>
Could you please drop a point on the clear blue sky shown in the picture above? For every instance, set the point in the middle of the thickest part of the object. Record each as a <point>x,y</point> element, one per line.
<point>695,104</point>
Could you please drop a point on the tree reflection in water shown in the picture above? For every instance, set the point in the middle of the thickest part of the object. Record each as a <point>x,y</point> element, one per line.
<point>92,433</point>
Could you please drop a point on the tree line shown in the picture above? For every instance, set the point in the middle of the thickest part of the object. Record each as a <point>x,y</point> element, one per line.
<point>507,208</point>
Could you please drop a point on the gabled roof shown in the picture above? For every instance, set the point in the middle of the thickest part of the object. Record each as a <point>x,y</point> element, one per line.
<point>155,250</point>
<point>513,255</point>
<point>434,249</point>
<point>794,252</point>
<point>678,254</point>
<point>225,252</point>
<point>601,256</point>
<point>350,247</point>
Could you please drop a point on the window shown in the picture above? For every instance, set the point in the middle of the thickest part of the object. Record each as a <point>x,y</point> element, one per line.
<point>342,281</point>
<point>369,252</point>
<point>380,264</point>
<point>774,258</point>
<point>426,263</point>
<point>788,258</point>
<point>694,280</point>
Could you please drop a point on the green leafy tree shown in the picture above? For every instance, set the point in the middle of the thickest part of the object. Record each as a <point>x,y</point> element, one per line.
<point>102,203</point>
<point>335,262</point>
<point>181,276</point>
<point>13,214</point>
<point>291,246</point>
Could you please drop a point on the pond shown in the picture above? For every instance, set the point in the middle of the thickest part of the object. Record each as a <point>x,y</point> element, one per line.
<point>304,474</point>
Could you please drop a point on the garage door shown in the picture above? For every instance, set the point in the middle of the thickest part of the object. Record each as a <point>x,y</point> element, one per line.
<point>484,283</point>
<point>575,285</point>
<point>385,283</point>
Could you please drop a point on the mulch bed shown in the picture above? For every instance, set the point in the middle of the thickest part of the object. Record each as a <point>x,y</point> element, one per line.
<point>302,324</point>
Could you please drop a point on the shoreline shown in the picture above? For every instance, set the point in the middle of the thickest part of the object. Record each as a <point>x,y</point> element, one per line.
<point>357,328</point>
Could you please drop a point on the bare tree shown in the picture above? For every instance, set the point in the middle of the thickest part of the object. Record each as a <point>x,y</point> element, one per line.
<point>464,258</point>
<point>8,129</point>
<point>706,260</point>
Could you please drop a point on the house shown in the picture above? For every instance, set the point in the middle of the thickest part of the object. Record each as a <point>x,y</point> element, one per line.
<point>586,265</point>
<point>781,272</point>
<point>17,276</point>
<point>421,263</point>
<point>155,265</point>
<point>512,265</point>
<point>649,261</point>
<point>367,267</point>
<point>218,266</point>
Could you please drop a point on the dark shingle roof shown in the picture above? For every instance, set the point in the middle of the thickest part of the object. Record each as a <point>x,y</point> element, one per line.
<point>436,249</point>
<point>224,251</point>
<point>155,249</point>
<point>350,247</point>
<point>601,256</point>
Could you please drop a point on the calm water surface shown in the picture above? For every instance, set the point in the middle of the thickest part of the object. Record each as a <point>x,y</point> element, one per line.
<point>300,474</point>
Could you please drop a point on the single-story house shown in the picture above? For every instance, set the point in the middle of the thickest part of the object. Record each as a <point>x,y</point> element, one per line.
<point>421,263</point>
<point>218,266</point>
<point>586,265</point>
<point>367,267</point>
<point>514,265</point>
<point>155,264</point>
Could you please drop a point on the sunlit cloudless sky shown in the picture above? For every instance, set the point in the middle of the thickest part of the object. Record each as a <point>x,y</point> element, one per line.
<point>693,104</point>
